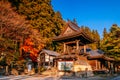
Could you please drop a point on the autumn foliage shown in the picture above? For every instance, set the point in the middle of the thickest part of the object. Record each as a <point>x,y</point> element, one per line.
<point>14,30</point>
<point>28,48</point>
<point>12,25</point>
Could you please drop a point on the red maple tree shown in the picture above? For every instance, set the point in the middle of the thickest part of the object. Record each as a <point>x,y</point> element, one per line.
<point>28,47</point>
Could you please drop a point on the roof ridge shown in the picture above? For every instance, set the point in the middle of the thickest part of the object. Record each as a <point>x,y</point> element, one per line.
<point>73,25</point>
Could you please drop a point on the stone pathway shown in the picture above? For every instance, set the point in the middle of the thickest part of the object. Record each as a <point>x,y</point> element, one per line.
<point>88,78</point>
<point>116,78</point>
<point>20,77</point>
<point>42,77</point>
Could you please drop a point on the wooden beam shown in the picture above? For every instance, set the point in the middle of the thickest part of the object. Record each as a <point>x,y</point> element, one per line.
<point>74,42</point>
<point>99,65</point>
<point>96,64</point>
<point>71,42</point>
<point>84,48</point>
<point>77,46</point>
<point>64,47</point>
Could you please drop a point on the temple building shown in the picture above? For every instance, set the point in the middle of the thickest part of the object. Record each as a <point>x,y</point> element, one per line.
<point>76,55</point>
<point>47,57</point>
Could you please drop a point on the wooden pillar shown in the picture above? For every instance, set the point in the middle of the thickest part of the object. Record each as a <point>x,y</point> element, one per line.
<point>77,46</point>
<point>64,48</point>
<point>49,60</point>
<point>115,67</point>
<point>68,50</point>
<point>112,68</point>
<point>99,65</point>
<point>44,61</point>
<point>108,65</point>
<point>96,65</point>
<point>84,48</point>
<point>6,70</point>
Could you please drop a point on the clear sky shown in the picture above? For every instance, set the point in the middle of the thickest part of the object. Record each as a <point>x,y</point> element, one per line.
<point>96,14</point>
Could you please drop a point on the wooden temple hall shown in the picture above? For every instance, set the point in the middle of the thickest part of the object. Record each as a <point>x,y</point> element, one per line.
<point>75,56</point>
<point>73,39</point>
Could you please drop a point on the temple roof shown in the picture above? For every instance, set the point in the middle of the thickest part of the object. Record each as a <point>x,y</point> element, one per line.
<point>73,31</point>
<point>98,54</point>
<point>72,26</point>
<point>49,52</point>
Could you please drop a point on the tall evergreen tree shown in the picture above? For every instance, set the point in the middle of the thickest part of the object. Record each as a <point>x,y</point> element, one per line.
<point>111,43</point>
<point>104,33</point>
<point>14,29</point>
<point>87,30</point>
<point>94,35</point>
<point>41,16</point>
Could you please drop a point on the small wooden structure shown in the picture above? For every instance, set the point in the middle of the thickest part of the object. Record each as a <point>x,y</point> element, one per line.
<point>46,57</point>
<point>102,62</point>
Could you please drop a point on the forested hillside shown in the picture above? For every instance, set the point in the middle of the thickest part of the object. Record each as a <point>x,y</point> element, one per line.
<point>28,26</point>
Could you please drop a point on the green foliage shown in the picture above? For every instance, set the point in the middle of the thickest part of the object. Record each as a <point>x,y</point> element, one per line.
<point>87,30</point>
<point>94,35</point>
<point>8,51</point>
<point>41,17</point>
<point>13,30</point>
<point>111,42</point>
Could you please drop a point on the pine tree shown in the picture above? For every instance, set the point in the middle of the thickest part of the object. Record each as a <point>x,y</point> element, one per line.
<point>111,43</point>
<point>41,17</point>
<point>104,33</point>
<point>94,35</point>
<point>14,29</point>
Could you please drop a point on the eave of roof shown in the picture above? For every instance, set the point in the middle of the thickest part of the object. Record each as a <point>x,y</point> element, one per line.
<point>77,32</point>
<point>73,35</point>
<point>49,52</point>
<point>67,56</point>
<point>100,57</point>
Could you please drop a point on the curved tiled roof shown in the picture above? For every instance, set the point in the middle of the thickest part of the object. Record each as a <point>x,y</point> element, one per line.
<point>76,33</point>
<point>98,54</point>
<point>73,26</point>
<point>49,52</point>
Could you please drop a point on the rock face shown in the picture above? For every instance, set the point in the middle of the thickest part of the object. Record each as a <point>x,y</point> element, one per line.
<point>50,71</point>
<point>14,72</point>
<point>83,70</point>
<point>32,71</point>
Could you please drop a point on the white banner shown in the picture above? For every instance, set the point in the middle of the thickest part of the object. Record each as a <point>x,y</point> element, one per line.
<point>65,65</point>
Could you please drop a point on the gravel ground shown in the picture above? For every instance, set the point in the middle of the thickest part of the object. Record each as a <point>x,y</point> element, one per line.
<point>44,77</point>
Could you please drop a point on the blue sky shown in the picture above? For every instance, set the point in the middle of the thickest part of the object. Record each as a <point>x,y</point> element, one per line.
<point>96,14</point>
